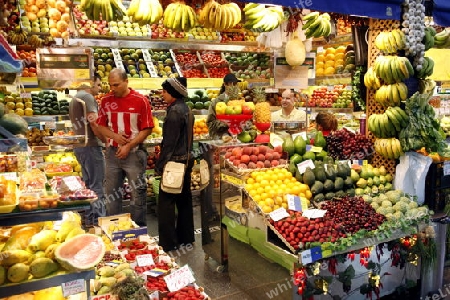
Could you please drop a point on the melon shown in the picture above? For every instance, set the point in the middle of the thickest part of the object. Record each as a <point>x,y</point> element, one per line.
<point>83,252</point>
<point>295,51</point>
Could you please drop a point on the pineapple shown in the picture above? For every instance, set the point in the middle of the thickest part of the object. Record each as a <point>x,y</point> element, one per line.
<point>234,95</point>
<point>262,107</point>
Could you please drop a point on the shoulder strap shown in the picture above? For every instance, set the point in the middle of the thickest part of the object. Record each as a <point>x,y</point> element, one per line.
<point>189,134</point>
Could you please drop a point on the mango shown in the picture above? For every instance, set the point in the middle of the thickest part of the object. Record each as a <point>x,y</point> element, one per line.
<point>18,272</point>
<point>50,251</point>
<point>42,240</point>
<point>106,271</point>
<point>11,257</point>
<point>66,227</point>
<point>20,238</point>
<point>43,266</point>
<point>74,232</point>
<point>107,281</point>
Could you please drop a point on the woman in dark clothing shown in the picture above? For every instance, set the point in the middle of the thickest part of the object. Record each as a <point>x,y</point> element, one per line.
<point>177,132</point>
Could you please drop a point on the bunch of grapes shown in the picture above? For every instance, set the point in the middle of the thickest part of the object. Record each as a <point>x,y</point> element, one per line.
<point>344,144</point>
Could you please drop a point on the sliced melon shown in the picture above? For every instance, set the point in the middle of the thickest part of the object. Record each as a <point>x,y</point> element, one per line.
<point>82,252</point>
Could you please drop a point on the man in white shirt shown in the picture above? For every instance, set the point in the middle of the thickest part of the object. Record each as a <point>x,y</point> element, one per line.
<point>288,112</point>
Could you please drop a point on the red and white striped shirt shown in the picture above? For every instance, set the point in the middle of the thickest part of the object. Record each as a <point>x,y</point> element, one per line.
<point>127,115</point>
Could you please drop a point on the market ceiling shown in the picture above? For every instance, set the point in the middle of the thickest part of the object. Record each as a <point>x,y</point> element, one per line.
<point>378,9</point>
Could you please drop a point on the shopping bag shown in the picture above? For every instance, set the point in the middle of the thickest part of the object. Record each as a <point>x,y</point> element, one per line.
<point>204,172</point>
<point>173,177</point>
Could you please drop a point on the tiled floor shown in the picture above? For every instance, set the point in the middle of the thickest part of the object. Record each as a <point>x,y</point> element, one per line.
<point>249,276</point>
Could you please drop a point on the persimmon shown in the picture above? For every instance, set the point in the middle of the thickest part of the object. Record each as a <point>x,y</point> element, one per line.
<point>31,2</point>
<point>65,17</point>
<point>51,3</point>
<point>52,23</point>
<point>34,9</point>
<point>62,26</point>
<point>40,3</point>
<point>54,14</point>
<point>41,13</point>
<point>61,6</point>
<point>31,16</point>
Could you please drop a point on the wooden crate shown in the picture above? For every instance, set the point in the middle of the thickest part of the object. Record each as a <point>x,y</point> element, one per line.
<point>375,27</point>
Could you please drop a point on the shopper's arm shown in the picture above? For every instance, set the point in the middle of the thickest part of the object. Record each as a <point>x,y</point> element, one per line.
<point>92,119</point>
<point>108,133</point>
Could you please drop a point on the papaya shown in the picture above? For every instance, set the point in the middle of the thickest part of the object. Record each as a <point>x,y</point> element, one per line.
<point>319,140</point>
<point>18,272</point>
<point>299,145</point>
<point>43,266</point>
<point>19,239</point>
<point>288,145</point>
<point>329,196</point>
<point>292,168</point>
<point>328,185</point>
<point>42,240</point>
<point>319,172</point>
<point>338,184</point>
<point>330,172</point>
<point>309,155</point>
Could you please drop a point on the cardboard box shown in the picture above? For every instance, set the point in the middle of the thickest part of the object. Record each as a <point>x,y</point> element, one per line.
<point>235,211</point>
<point>133,233</point>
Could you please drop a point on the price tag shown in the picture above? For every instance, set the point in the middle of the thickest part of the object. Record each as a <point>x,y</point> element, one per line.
<point>120,65</point>
<point>164,259</point>
<point>116,55</point>
<point>294,202</point>
<point>73,287</point>
<point>25,95</point>
<point>50,125</point>
<point>314,213</point>
<point>305,164</point>
<point>232,179</point>
<point>9,176</point>
<point>316,149</point>
<point>151,68</point>
<point>179,279</point>
<point>302,134</point>
<point>72,183</point>
<point>279,214</point>
<point>144,260</point>
<point>446,170</point>
<point>311,255</point>
<point>154,295</point>
<point>146,55</point>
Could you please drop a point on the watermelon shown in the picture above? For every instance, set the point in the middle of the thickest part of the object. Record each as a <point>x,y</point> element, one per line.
<point>14,123</point>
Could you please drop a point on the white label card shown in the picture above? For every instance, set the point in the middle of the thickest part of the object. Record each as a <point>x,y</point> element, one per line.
<point>144,260</point>
<point>314,213</point>
<point>50,125</point>
<point>302,134</point>
<point>294,202</point>
<point>305,164</point>
<point>279,214</point>
<point>316,149</point>
<point>446,168</point>
<point>9,176</point>
<point>179,278</point>
<point>73,287</point>
<point>72,183</point>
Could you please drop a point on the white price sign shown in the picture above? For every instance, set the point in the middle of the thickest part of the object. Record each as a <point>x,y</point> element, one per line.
<point>305,164</point>
<point>294,202</point>
<point>73,287</point>
<point>179,279</point>
<point>144,260</point>
<point>279,214</point>
<point>72,183</point>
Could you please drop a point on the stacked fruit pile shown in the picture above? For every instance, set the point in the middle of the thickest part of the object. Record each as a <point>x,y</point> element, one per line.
<point>35,136</point>
<point>29,60</point>
<point>338,97</point>
<point>200,129</point>
<point>255,157</point>
<point>249,65</point>
<point>199,100</point>
<point>200,33</point>
<point>269,189</point>
<point>370,180</point>
<point>128,28</point>
<point>103,62</point>
<point>107,276</point>
<point>190,64</point>
<point>344,144</point>
<point>160,31</point>
<point>163,62</point>
<point>335,60</point>
<point>18,105</point>
<point>86,26</point>
<point>216,65</point>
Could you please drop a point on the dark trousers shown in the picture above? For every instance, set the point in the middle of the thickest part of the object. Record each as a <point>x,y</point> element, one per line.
<point>176,229</point>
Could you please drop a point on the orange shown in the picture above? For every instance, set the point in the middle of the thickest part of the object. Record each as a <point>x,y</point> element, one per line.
<point>269,202</point>
<point>250,180</point>
<point>308,194</point>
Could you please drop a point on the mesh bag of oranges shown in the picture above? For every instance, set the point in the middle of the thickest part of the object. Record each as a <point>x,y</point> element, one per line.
<point>269,189</point>
<point>200,129</point>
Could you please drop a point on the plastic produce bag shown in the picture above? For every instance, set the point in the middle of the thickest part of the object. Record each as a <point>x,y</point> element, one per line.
<point>410,174</point>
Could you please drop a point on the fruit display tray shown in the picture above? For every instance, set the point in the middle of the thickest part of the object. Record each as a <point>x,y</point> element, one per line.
<point>65,140</point>
<point>282,239</point>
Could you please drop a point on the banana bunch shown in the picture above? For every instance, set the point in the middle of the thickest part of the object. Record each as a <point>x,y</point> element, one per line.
<point>428,39</point>
<point>426,86</point>
<point>389,124</point>
<point>179,16</point>
<point>220,16</point>
<point>441,39</point>
<point>371,80</point>
<point>17,36</point>
<point>392,69</point>
<point>391,94</point>
<point>261,18</point>
<point>390,41</point>
<point>427,68</point>
<point>317,25</point>
<point>108,10</point>
<point>35,41</point>
<point>388,148</point>
<point>145,11</point>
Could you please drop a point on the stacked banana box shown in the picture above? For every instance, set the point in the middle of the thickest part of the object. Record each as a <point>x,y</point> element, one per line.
<point>120,227</point>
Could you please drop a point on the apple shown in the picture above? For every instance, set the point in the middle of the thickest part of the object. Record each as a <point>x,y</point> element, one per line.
<point>246,110</point>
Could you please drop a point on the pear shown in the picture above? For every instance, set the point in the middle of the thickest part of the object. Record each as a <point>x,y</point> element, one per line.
<point>354,175</point>
<point>361,183</point>
<point>376,172</point>
<point>369,182</point>
<point>382,170</point>
<point>382,179</point>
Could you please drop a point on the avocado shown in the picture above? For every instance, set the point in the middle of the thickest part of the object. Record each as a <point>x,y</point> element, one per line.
<point>296,158</point>
<point>338,184</point>
<point>330,172</point>
<point>319,172</point>
<point>292,168</point>
<point>319,197</point>
<point>348,182</point>
<point>317,188</point>
<point>308,177</point>
<point>350,192</point>
<point>328,185</point>
<point>299,145</point>
<point>329,195</point>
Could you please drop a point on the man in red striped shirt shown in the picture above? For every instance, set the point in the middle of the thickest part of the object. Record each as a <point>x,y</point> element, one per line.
<point>125,119</point>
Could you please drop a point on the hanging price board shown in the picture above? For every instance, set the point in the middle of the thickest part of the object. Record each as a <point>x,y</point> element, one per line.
<point>64,67</point>
<point>287,77</point>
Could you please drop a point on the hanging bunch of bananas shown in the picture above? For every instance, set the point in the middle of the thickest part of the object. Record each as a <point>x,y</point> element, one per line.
<point>258,17</point>
<point>391,94</point>
<point>393,69</point>
<point>317,25</point>
<point>390,41</point>
<point>427,68</point>
<point>388,148</point>
<point>426,86</point>
<point>145,11</point>
<point>442,39</point>
<point>108,10</point>
<point>428,39</point>
<point>220,16</point>
<point>35,41</point>
<point>371,80</point>
<point>179,16</point>
<point>17,36</point>
<point>388,124</point>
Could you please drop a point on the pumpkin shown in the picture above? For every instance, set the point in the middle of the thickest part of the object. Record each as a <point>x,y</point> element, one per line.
<point>295,51</point>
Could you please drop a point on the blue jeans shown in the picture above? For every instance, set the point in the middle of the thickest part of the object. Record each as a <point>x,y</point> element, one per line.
<point>133,168</point>
<point>92,163</point>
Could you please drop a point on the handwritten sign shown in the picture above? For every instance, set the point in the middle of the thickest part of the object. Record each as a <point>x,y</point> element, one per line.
<point>73,287</point>
<point>72,183</point>
<point>314,213</point>
<point>305,164</point>
<point>279,214</point>
<point>179,279</point>
<point>144,260</point>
